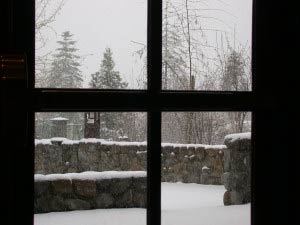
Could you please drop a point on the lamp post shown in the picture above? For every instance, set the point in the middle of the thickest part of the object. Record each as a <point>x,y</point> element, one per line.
<point>92,125</point>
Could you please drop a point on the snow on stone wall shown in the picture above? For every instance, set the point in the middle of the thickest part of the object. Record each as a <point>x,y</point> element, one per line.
<point>89,190</point>
<point>188,163</point>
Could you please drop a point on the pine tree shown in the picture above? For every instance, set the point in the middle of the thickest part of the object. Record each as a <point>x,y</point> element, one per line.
<point>65,72</point>
<point>107,77</point>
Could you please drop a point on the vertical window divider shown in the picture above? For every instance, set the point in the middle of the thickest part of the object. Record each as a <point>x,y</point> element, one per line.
<point>154,65</point>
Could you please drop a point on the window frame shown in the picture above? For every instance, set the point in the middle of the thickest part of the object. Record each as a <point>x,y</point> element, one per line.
<point>153,100</point>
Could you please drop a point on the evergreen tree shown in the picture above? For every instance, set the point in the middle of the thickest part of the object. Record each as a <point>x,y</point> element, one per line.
<point>107,77</point>
<point>65,72</point>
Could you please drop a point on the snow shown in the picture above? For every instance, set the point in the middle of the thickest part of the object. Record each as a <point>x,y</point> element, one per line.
<point>59,119</point>
<point>239,136</point>
<point>124,143</point>
<point>93,217</point>
<point>91,140</point>
<point>123,137</point>
<point>173,145</point>
<point>66,141</point>
<point>58,139</point>
<point>42,142</point>
<point>106,142</point>
<point>191,204</point>
<point>205,168</point>
<point>141,152</point>
<point>90,175</point>
<point>69,142</point>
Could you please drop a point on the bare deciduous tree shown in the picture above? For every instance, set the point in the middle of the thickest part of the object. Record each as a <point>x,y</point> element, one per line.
<point>46,12</point>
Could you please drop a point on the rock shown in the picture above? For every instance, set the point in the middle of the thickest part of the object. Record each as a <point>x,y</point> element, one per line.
<point>139,185</point>
<point>200,152</point>
<point>55,159</point>
<point>237,198</point>
<point>104,200</point>
<point>125,162</point>
<point>167,150</point>
<point>69,158</point>
<point>85,188</point>
<point>206,170</point>
<point>62,186</point>
<point>227,198</point>
<point>119,186</point>
<point>77,204</point>
<point>41,188</point>
<point>125,200</point>
<point>237,165</point>
<point>61,194</point>
<point>139,200</point>
<point>41,204</point>
<point>237,161</point>
<point>88,156</point>
<point>191,150</point>
<point>103,185</point>
<point>237,181</point>
<point>227,161</point>
<point>57,204</point>
<point>226,181</point>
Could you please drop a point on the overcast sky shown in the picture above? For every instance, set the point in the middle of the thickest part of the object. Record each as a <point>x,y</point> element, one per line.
<point>97,24</point>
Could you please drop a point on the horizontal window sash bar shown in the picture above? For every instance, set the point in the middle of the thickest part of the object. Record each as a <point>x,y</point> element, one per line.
<point>136,100</point>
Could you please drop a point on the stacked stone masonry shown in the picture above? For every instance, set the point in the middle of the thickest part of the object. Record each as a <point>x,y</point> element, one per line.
<point>90,190</point>
<point>193,163</point>
<point>237,167</point>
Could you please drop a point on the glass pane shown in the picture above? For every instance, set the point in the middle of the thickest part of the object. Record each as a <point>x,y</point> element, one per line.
<point>91,44</point>
<point>90,168</point>
<point>206,168</point>
<point>207,45</point>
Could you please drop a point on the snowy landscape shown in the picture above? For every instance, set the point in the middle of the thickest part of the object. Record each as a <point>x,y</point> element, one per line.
<point>192,204</point>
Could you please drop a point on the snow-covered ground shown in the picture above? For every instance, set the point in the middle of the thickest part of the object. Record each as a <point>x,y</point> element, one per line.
<point>182,204</point>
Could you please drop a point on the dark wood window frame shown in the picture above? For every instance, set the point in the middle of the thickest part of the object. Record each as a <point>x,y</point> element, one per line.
<point>20,100</point>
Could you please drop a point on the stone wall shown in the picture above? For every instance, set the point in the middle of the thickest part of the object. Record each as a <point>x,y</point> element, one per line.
<point>237,176</point>
<point>193,163</point>
<point>202,164</point>
<point>89,190</point>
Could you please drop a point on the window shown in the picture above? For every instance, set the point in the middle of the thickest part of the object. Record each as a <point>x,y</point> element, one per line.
<point>154,101</point>
<point>75,51</point>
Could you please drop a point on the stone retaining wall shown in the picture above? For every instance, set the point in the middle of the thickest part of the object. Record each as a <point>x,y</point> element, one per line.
<point>237,176</point>
<point>193,163</point>
<point>89,190</point>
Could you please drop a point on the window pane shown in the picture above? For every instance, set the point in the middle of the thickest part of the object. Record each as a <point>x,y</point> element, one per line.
<point>91,44</point>
<point>206,45</point>
<point>93,162</point>
<point>206,168</point>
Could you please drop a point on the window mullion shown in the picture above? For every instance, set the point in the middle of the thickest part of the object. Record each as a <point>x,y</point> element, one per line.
<point>154,168</point>
<point>154,65</point>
